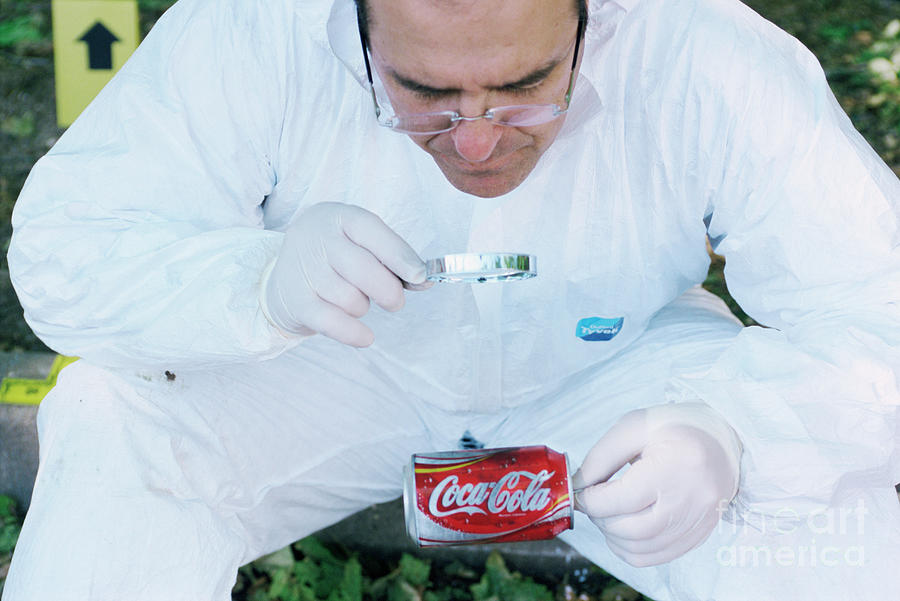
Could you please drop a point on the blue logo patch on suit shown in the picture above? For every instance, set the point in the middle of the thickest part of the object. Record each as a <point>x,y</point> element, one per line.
<point>598,328</point>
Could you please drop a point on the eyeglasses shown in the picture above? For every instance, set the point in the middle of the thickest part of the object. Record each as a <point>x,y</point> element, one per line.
<point>521,115</point>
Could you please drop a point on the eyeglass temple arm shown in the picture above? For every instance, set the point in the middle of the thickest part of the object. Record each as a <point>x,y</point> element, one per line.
<point>363,40</point>
<point>578,36</point>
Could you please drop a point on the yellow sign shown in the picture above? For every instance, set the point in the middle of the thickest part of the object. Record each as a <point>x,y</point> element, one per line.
<point>91,40</point>
<point>22,391</point>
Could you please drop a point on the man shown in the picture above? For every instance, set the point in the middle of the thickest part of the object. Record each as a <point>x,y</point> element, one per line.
<point>208,236</point>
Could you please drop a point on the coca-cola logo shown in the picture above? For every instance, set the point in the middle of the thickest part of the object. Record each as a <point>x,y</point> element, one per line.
<point>504,496</point>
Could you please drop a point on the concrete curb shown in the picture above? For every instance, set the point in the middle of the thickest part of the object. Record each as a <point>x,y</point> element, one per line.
<point>379,530</point>
<point>18,430</point>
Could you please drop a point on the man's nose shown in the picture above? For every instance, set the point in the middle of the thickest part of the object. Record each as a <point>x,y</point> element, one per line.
<point>476,140</point>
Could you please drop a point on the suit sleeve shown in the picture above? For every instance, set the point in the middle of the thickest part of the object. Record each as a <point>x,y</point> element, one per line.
<point>139,239</point>
<point>808,219</point>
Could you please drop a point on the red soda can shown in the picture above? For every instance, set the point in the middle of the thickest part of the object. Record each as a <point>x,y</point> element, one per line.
<point>487,496</point>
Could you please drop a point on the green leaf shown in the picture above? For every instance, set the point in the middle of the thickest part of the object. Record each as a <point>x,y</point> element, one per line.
<point>314,549</point>
<point>456,569</point>
<point>351,583</point>
<point>330,577</point>
<point>9,534</point>
<point>496,572</point>
<point>401,590</point>
<point>8,512</point>
<point>481,591</point>
<point>836,32</point>
<point>415,571</point>
<point>19,126</point>
<point>259,595</point>
<point>283,586</point>
<point>10,524</point>
<point>19,29</point>
<point>448,593</point>
<point>307,575</point>
<point>499,583</point>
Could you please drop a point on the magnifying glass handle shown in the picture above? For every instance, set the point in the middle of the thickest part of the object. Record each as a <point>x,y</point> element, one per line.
<point>417,287</point>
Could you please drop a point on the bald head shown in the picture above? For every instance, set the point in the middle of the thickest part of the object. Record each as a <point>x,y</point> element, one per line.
<point>365,18</point>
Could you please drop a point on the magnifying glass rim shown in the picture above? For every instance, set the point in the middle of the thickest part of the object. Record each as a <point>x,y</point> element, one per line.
<point>481,267</point>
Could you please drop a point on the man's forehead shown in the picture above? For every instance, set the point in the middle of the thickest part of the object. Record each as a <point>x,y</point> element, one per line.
<point>433,7</point>
<point>424,13</point>
<point>429,46</point>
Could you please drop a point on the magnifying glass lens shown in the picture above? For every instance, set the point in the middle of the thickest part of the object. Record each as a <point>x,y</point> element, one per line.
<point>481,267</point>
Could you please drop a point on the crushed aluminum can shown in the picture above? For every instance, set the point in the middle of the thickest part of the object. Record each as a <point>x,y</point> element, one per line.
<point>487,496</point>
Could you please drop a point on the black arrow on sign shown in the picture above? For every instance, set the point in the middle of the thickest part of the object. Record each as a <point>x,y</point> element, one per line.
<point>99,41</point>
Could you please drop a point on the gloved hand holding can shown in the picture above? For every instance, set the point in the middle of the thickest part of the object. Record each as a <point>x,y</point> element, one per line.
<point>684,468</point>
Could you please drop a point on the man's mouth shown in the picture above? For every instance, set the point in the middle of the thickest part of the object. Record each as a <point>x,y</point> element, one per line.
<point>491,166</point>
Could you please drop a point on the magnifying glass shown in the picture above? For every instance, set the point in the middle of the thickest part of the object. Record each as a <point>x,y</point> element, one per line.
<point>481,267</point>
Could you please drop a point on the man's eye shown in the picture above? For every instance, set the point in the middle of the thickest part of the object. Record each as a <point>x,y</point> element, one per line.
<point>430,95</point>
<point>524,91</point>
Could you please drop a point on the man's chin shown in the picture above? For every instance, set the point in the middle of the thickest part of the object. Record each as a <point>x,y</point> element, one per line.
<point>485,184</point>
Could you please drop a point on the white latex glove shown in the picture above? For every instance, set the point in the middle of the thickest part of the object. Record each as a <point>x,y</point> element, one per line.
<point>685,465</point>
<point>335,258</point>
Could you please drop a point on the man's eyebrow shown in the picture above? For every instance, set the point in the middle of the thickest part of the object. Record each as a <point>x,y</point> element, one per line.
<point>420,88</point>
<point>532,78</point>
<point>535,77</point>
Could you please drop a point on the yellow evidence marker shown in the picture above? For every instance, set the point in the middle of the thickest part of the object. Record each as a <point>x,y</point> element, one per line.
<point>92,39</point>
<point>26,391</point>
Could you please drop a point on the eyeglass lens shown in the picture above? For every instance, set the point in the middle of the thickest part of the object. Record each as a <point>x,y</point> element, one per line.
<point>514,116</point>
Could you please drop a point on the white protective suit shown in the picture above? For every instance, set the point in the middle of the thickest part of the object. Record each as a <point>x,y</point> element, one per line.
<point>140,240</point>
